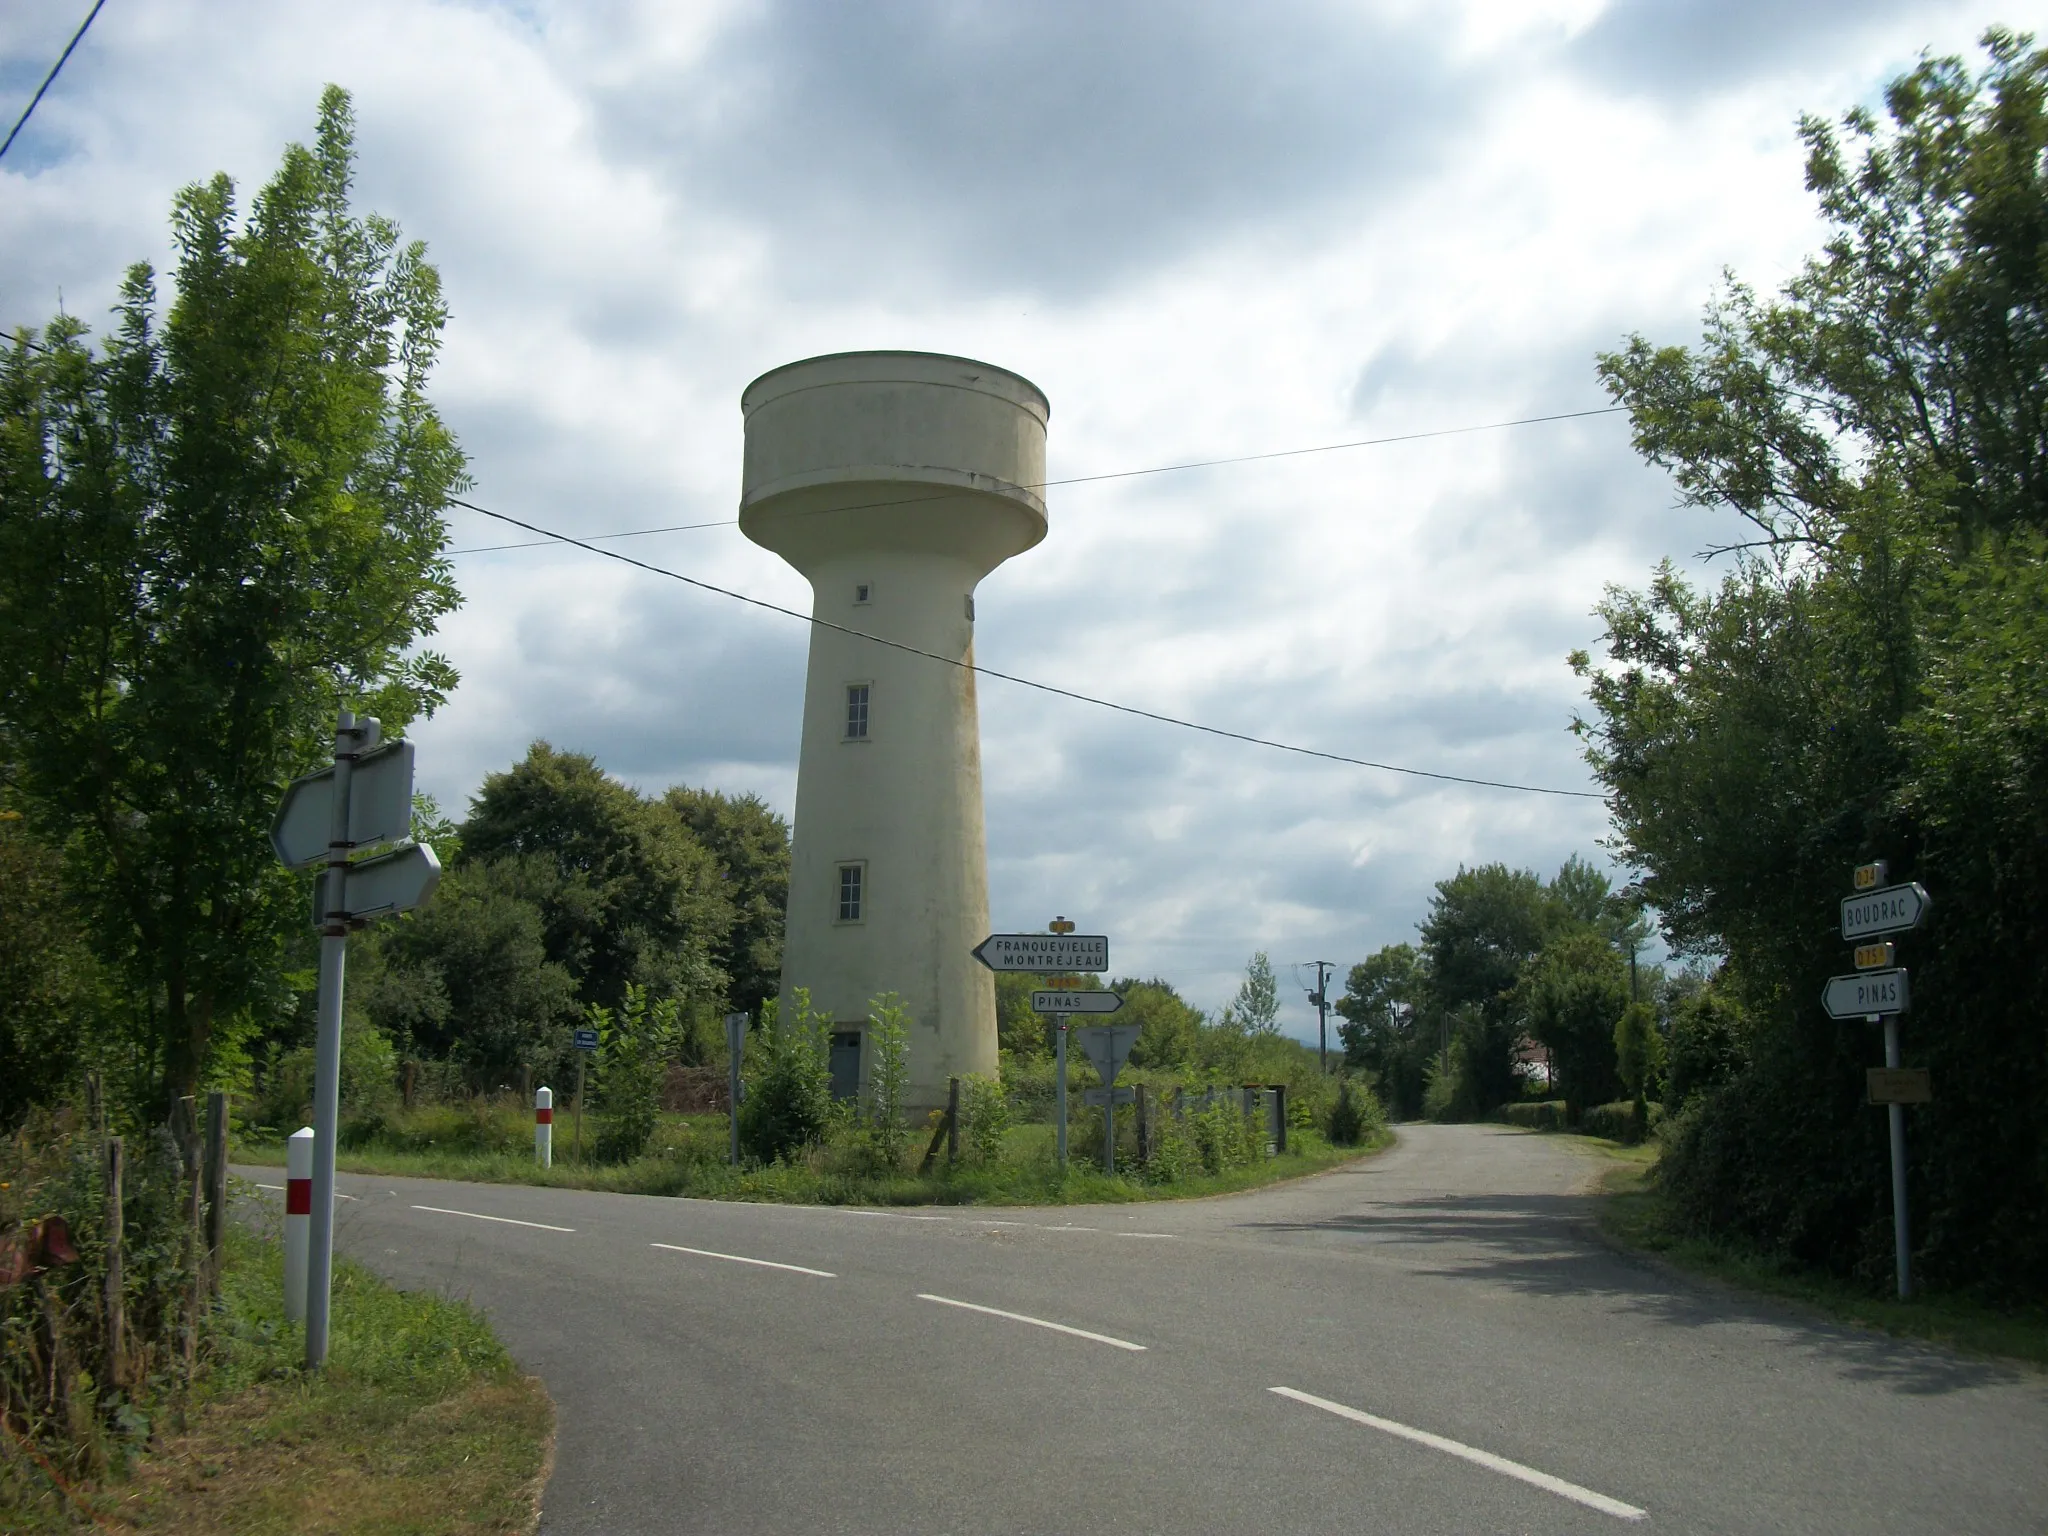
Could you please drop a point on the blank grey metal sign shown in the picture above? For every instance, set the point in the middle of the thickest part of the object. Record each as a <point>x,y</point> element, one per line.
<point>379,807</point>
<point>1867,993</point>
<point>1894,909</point>
<point>1108,1046</point>
<point>391,882</point>
<point>1047,953</point>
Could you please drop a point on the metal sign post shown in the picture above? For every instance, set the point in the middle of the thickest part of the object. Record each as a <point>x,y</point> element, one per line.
<point>1108,1047</point>
<point>1878,992</point>
<point>735,1047</point>
<point>363,800</point>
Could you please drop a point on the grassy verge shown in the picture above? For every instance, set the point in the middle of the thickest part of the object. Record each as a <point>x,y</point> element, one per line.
<point>419,1424</point>
<point>688,1160</point>
<point>1635,1215</point>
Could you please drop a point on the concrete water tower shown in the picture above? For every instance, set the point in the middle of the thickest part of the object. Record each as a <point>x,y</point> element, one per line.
<point>894,481</point>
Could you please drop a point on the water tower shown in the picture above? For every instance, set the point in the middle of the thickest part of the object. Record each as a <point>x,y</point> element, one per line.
<point>894,481</point>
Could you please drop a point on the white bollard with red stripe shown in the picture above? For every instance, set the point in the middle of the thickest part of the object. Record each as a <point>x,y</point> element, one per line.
<point>298,1220</point>
<point>544,1127</point>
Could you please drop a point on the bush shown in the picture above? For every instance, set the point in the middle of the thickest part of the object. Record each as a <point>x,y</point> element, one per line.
<point>1356,1115</point>
<point>633,1053</point>
<point>985,1106</point>
<point>1618,1122</point>
<point>1540,1115</point>
<point>888,1075</point>
<point>788,1104</point>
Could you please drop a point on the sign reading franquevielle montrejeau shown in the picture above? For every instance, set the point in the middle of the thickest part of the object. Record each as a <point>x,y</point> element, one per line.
<point>1045,953</point>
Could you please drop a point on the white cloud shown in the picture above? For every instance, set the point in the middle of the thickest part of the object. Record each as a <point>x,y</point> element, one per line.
<point>1204,230</point>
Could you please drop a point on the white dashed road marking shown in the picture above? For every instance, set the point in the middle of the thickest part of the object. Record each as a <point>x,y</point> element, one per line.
<point>510,1221</point>
<point>1036,1322</point>
<point>740,1258</point>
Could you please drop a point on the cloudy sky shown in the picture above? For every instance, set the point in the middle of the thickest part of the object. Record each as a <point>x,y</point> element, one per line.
<point>1203,229</point>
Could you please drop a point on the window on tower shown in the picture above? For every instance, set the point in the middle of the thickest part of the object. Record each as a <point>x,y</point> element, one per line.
<point>857,711</point>
<point>861,592</point>
<point>852,892</point>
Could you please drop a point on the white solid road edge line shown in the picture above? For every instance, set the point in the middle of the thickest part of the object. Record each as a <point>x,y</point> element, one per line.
<point>510,1221</point>
<point>1486,1459</point>
<point>740,1258</point>
<point>1036,1322</point>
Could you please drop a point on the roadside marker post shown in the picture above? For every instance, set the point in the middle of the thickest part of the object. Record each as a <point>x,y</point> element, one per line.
<point>544,1127</point>
<point>323,820</point>
<point>298,1216</point>
<point>1878,992</point>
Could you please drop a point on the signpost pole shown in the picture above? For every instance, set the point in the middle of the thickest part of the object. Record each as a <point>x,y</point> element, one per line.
<point>1109,1131</point>
<point>582,1059</point>
<point>327,1049</point>
<point>1060,1093</point>
<point>1896,1113</point>
<point>735,1047</point>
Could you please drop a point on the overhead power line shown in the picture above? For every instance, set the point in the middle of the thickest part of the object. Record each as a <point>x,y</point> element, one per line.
<point>1117,474</point>
<point>550,535</point>
<point>49,79</point>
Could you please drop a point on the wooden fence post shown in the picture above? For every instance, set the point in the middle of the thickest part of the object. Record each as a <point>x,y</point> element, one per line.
<point>952,1120</point>
<point>1280,1116</point>
<point>117,1311</point>
<point>1144,1103</point>
<point>411,1068</point>
<point>216,1188</point>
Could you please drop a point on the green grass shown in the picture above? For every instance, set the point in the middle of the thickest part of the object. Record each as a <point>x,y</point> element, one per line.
<point>493,1145</point>
<point>419,1425</point>
<point>1635,1215</point>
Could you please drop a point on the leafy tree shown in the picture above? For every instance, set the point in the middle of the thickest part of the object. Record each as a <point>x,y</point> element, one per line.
<point>215,532</point>
<point>1256,1008</point>
<point>1706,1048</point>
<point>1638,1055</point>
<point>751,844</point>
<point>50,982</point>
<point>1387,1028</point>
<point>1169,1028</point>
<point>1483,926</point>
<point>1572,994</point>
<point>634,896</point>
<point>1869,679</point>
<point>467,977</point>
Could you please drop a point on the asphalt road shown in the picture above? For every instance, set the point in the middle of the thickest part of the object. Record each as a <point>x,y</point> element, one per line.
<point>1431,1341</point>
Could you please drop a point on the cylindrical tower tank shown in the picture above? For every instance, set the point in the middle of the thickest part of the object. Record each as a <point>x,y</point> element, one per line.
<point>894,481</point>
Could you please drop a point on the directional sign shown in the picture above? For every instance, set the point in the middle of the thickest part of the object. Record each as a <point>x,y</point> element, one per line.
<point>379,807</point>
<point>585,1039</point>
<point>1046,953</point>
<point>1891,910</point>
<point>391,882</point>
<point>1868,992</point>
<point>1075,1002</point>
<point>1108,1046</point>
<point>1899,1085</point>
<point>1095,1098</point>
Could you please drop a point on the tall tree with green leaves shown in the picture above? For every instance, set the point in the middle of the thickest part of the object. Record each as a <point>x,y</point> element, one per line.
<point>214,530</point>
<point>628,895</point>
<point>751,843</point>
<point>1256,1008</point>
<point>1870,679</point>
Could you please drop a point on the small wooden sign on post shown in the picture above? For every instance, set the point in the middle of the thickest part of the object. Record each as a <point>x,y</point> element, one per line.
<point>1899,1085</point>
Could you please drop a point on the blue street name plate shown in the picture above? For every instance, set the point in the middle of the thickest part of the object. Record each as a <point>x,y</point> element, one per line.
<point>586,1039</point>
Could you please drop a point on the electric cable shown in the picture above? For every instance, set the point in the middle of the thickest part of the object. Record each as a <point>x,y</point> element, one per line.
<point>1118,474</point>
<point>1025,682</point>
<point>50,79</point>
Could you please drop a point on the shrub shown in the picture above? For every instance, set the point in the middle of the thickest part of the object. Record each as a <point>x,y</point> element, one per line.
<point>633,1052</point>
<point>788,1104</point>
<point>1356,1115</point>
<point>985,1106</point>
<point>888,1075</point>
<point>1618,1122</point>
<point>1538,1115</point>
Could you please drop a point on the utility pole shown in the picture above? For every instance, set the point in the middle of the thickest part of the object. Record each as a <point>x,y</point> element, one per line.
<point>1321,998</point>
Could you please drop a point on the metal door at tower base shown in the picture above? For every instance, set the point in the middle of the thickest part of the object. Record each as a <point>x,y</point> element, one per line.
<point>845,1064</point>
